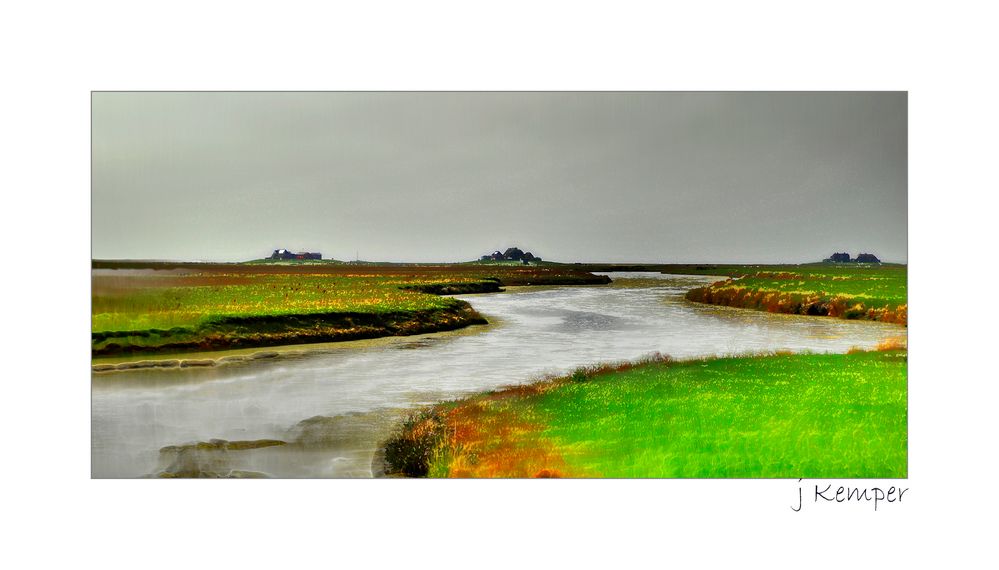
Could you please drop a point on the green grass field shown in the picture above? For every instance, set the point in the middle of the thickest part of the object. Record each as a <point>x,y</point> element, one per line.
<point>789,416</point>
<point>847,290</point>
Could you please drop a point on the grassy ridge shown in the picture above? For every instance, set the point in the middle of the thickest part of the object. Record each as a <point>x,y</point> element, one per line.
<point>851,291</point>
<point>218,306</point>
<point>810,415</point>
<point>225,333</point>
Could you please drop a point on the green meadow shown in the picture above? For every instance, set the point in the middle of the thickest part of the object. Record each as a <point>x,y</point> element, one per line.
<point>782,415</point>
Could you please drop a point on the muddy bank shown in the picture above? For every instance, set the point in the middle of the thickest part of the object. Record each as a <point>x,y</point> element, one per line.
<point>179,362</point>
<point>317,443</point>
<point>486,286</point>
<point>276,330</point>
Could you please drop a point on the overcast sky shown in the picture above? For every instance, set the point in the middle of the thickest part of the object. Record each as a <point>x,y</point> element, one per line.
<point>653,177</point>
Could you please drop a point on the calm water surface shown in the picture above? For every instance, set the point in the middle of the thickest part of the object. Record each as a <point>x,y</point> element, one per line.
<point>351,394</point>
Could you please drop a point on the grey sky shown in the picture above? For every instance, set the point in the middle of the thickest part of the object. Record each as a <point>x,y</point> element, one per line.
<point>655,177</point>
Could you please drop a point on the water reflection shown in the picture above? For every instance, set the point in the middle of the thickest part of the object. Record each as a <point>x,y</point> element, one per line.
<point>363,388</point>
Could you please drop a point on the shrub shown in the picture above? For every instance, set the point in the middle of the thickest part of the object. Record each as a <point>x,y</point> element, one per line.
<point>411,451</point>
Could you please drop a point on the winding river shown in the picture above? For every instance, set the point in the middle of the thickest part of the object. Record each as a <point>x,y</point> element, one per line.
<point>336,403</point>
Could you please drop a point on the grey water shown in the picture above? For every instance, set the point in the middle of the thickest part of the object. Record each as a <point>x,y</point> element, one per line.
<point>336,404</point>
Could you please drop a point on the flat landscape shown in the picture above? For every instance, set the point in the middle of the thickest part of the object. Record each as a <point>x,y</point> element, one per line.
<point>760,415</point>
<point>161,308</point>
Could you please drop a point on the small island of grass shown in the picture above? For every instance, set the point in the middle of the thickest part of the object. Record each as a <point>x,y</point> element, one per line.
<point>176,307</point>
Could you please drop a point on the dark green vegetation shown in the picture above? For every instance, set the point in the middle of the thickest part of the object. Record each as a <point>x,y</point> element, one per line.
<point>806,415</point>
<point>148,307</point>
<point>223,445</point>
<point>850,291</point>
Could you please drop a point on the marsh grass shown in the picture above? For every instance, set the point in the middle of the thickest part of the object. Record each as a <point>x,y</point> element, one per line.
<point>850,291</point>
<point>776,415</point>
<point>206,307</point>
<point>154,301</point>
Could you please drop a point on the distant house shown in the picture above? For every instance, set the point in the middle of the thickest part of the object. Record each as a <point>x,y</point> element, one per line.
<point>285,254</point>
<point>845,258</point>
<point>839,258</point>
<point>511,254</point>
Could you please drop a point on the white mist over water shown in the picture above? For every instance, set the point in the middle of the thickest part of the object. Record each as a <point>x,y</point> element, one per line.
<point>365,384</point>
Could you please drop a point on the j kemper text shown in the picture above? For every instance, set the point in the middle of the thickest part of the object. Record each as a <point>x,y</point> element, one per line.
<point>827,493</point>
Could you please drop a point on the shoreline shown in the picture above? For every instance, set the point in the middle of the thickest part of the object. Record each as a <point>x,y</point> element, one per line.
<point>108,365</point>
<point>281,330</point>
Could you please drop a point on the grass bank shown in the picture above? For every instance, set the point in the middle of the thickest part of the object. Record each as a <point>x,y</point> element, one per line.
<point>142,307</point>
<point>783,415</point>
<point>850,291</point>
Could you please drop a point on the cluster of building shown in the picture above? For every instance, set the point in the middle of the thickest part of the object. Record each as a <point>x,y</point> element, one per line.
<point>285,254</point>
<point>845,258</point>
<point>511,254</point>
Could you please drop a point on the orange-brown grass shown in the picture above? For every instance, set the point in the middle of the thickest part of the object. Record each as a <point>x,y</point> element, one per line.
<point>494,435</point>
<point>489,439</point>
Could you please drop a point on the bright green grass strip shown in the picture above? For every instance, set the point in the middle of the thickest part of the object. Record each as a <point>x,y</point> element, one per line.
<point>811,416</point>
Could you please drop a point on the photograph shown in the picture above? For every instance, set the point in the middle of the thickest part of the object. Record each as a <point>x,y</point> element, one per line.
<point>499,285</point>
<point>477,285</point>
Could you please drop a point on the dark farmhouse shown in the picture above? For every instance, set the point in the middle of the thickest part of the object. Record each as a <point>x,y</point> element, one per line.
<point>511,254</point>
<point>845,258</point>
<point>285,254</point>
